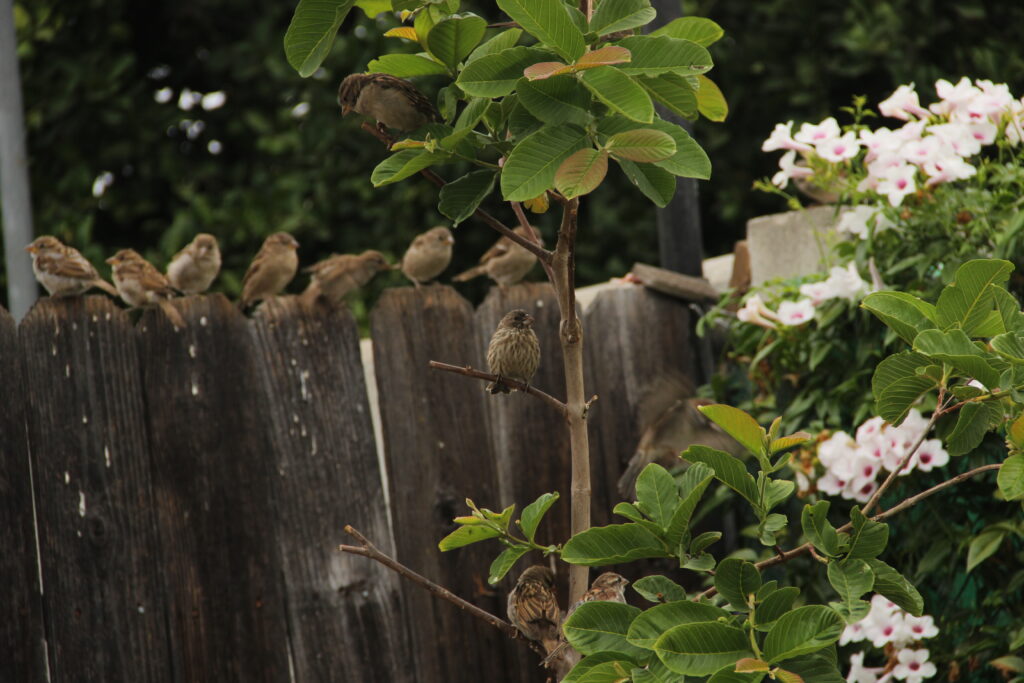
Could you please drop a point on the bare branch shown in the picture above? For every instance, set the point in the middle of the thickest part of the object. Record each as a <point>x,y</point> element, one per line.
<point>877,495</point>
<point>468,371</point>
<point>914,500</point>
<point>517,208</point>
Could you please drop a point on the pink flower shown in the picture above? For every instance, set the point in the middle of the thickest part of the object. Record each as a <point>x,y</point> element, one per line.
<point>754,311</point>
<point>853,633</point>
<point>857,220</point>
<point>790,169</point>
<point>947,169</point>
<point>924,150</point>
<point>913,666</point>
<point>782,138</point>
<point>795,313</point>
<point>983,131</point>
<point>959,136</point>
<point>860,673</point>
<point>991,104</point>
<point>931,454</point>
<point>817,292</point>
<point>831,485</point>
<point>922,627</point>
<point>879,141</point>
<point>869,429</point>
<point>837,448</point>
<point>903,104</point>
<point>812,135</point>
<point>860,491</point>
<point>910,131</point>
<point>897,183</point>
<point>882,628</point>
<point>955,98</point>
<point>837,150</point>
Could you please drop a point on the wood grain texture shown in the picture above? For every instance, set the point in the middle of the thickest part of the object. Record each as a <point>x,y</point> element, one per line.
<point>345,615</point>
<point>685,287</point>
<point>103,593</point>
<point>436,448</point>
<point>21,628</point>
<point>212,463</point>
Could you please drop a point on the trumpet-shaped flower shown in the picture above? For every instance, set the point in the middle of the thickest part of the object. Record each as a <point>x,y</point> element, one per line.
<point>790,169</point>
<point>795,313</point>
<point>954,99</point>
<point>947,169</point>
<point>838,149</point>
<point>913,666</point>
<point>897,182</point>
<point>860,673</point>
<point>903,104</point>
<point>782,138</point>
<point>812,135</point>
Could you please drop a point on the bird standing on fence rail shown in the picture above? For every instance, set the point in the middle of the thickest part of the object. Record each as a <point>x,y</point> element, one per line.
<point>506,262</point>
<point>62,270</point>
<point>335,277</point>
<point>272,269</point>
<point>428,255</point>
<point>141,285</point>
<point>193,269</point>
<point>393,102</point>
<point>514,352</point>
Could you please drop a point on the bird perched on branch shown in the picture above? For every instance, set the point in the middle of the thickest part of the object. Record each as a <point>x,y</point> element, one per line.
<point>428,255</point>
<point>193,269</point>
<point>272,269</point>
<point>514,352</point>
<point>608,587</point>
<point>141,285</point>
<point>335,277</point>
<point>670,423</point>
<point>393,102</point>
<point>533,607</point>
<point>62,270</point>
<point>506,262</point>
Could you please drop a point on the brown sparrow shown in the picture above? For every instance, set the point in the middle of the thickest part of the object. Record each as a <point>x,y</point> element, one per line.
<point>506,262</point>
<point>428,255</point>
<point>141,285</point>
<point>533,607</point>
<point>393,102</point>
<point>608,587</point>
<point>62,271</point>
<point>193,269</point>
<point>335,277</point>
<point>272,269</point>
<point>514,352</point>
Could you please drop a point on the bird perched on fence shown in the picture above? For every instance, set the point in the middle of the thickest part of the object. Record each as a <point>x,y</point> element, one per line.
<point>393,102</point>
<point>62,270</point>
<point>506,262</point>
<point>608,587</point>
<point>428,255</point>
<point>272,269</point>
<point>335,277</point>
<point>141,285</point>
<point>514,352</point>
<point>669,423</point>
<point>193,269</point>
<point>533,607</point>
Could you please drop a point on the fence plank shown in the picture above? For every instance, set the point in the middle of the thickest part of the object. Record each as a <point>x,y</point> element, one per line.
<point>103,592</point>
<point>21,629</point>
<point>435,445</point>
<point>212,463</point>
<point>345,612</point>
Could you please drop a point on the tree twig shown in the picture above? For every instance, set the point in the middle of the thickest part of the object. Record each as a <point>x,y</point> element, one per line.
<point>468,371</point>
<point>877,495</point>
<point>517,208</point>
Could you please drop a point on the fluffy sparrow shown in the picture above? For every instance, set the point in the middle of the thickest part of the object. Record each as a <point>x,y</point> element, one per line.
<point>514,352</point>
<point>193,269</point>
<point>62,271</point>
<point>608,587</point>
<point>141,285</point>
<point>272,269</point>
<point>533,607</point>
<point>335,277</point>
<point>428,255</point>
<point>393,102</point>
<point>506,262</point>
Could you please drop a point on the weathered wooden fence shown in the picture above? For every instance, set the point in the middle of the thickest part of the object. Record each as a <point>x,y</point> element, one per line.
<point>171,500</point>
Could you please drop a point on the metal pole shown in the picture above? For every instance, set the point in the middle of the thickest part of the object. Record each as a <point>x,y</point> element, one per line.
<point>14,192</point>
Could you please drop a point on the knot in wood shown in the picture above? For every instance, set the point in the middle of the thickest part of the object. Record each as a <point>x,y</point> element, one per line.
<point>571,331</point>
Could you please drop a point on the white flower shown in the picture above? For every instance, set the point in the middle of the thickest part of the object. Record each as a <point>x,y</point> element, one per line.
<point>101,183</point>
<point>300,110</point>
<point>782,138</point>
<point>947,169</point>
<point>869,429</point>
<point>880,141</point>
<point>853,633</point>
<point>163,95</point>
<point>188,99</point>
<point>839,149</point>
<point>795,313</point>
<point>897,183</point>
<point>992,103</point>
<point>921,627</point>
<point>812,135</point>
<point>954,98</point>
<point>903,104</point>
<point>847,282</point>
<point>818,292</point>
<point>926,149</point>
<point>931,454</point>
<point>213,100</point>
<point>831,485</point>
<point>882,628</point>
<point>790,169</point>
<point>754,311</point>
<point>858,219</point>
<point>913,666</point>
<point>860,673</point>
<point>959,137</point>
<point>860,491</point>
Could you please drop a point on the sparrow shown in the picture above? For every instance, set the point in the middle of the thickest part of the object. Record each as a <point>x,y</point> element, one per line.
<point>62,270</point>
<point>393,102</point>
<point>514,352</point>
<point>506,262</point>
<point>428,255</point>
<point>608,587</point>
<point>141,285</point>
<point>335,277</point>
<point>533,607</point>
<point>272,269</point>
<point>670,423</point>
<point>193,269</point>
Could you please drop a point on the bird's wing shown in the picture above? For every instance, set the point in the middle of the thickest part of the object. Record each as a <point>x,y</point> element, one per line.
<point>661,395</point>
<point>499,248</point>
<point>70,265</point>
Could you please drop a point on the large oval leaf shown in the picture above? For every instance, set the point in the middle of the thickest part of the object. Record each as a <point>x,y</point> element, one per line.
<point>613,544</point>
<point>737,424</point>
<point>451,39</point>
<point>620,15</point>
<point>710,101</point>
<point>1011,477</point>
<point>560,99</point>
<point>699,30</point>
<point>620,92</point>
<point>311,32</point>
<point>647,628</point>
<point>495,75</point>
<point>656,183</point>
<point>581,173</point>
<point>642,144</point>
<point>597,626</point>
<point>802,631</point>
<point>737,580</point>
<point>460,198</point>
<point>405,65</point>
<point>548,21</point>
<point>702,649</point>
<point>654,55</point>
<point>673,91</point>
<point>895,587</point>
<point>530,168</point>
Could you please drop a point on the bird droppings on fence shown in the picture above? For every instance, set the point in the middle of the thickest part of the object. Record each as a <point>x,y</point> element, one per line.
<point>106,455</point>
<point>81,504</point>
<point>191,350</point>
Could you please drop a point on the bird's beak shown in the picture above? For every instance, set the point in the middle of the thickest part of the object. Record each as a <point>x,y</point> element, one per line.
<point>31,249</point>
<point>111,260</point>
<point>450,240</point>
<point>345,109</point>
<point>203,250</point>
<point>529,319</point>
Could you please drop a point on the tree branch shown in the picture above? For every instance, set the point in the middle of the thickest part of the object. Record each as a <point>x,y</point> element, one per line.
<point>517,208</point>
<point>877,495</point>
<point>468,371</point>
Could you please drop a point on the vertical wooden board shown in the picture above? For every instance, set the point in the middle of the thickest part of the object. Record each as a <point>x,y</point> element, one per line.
<point>345,612</point>
<point>212,463</point>
<point>103,594</point>
<point>437,454</point>
<point>21,628</point>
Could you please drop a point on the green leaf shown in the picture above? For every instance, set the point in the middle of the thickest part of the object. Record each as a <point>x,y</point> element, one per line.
<point>590,662</point>
<point>655,183</point>
<point>728,674</point>
<point>1010,346</point>
<point>504,562</point>
<point>674,92</point>
<point>617,671</point>
<point>620,15</point>
<point>689,160</point>
<point>704,540</point>
<point>460,198</point>
<point>851,579</point>
<point>531,167</point>
<point>452,39</point>
<point>737,580</point>
<point>868,538</point>
<point>311,32</point>
<point>1008,308</point>
<point>657,588</point>
<point>819,531</point>
<point>403,164</point>
<point>897,384</point>
<point>496,74</point>
<point>374,7</point>
<point>891,584</point>
<point>710,101</point>
<point>597,626</point>
<point>466,535</point>
<point>769,528</point>
<point>655,55</point>
<point>802,631</point>
<point>647,628</point>
<point>620,92</point>
<point>645,145</point>
<point>737,424</point>
<point>816,668</point>
<point>983,546</point>
<point>612,544</point>
<point>699,30</point>
<point>972,423</point>
<point>777,491</point>
<point>904,313</point>
<point>701,649</point>
<point>695,481</point>
<point>1011,477</point>
<point>774,606</point>
<point>728,470</point>
<point>965,302</point>
<point>956,348</point>
<point>549,22</point>
<point>503,41</point>
<point>657,496</point>
<point>582,172</point>
<point>406,65</point>
<point>556,100</point>
<point>629,511</point>
<point>534,513</point>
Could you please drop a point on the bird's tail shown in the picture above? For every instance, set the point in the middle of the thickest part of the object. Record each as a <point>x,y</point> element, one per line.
<point>627,482</point>
<point>172,314</point>
<point>106,287</point>
<point>476,271</point>
<point>310,295</point>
